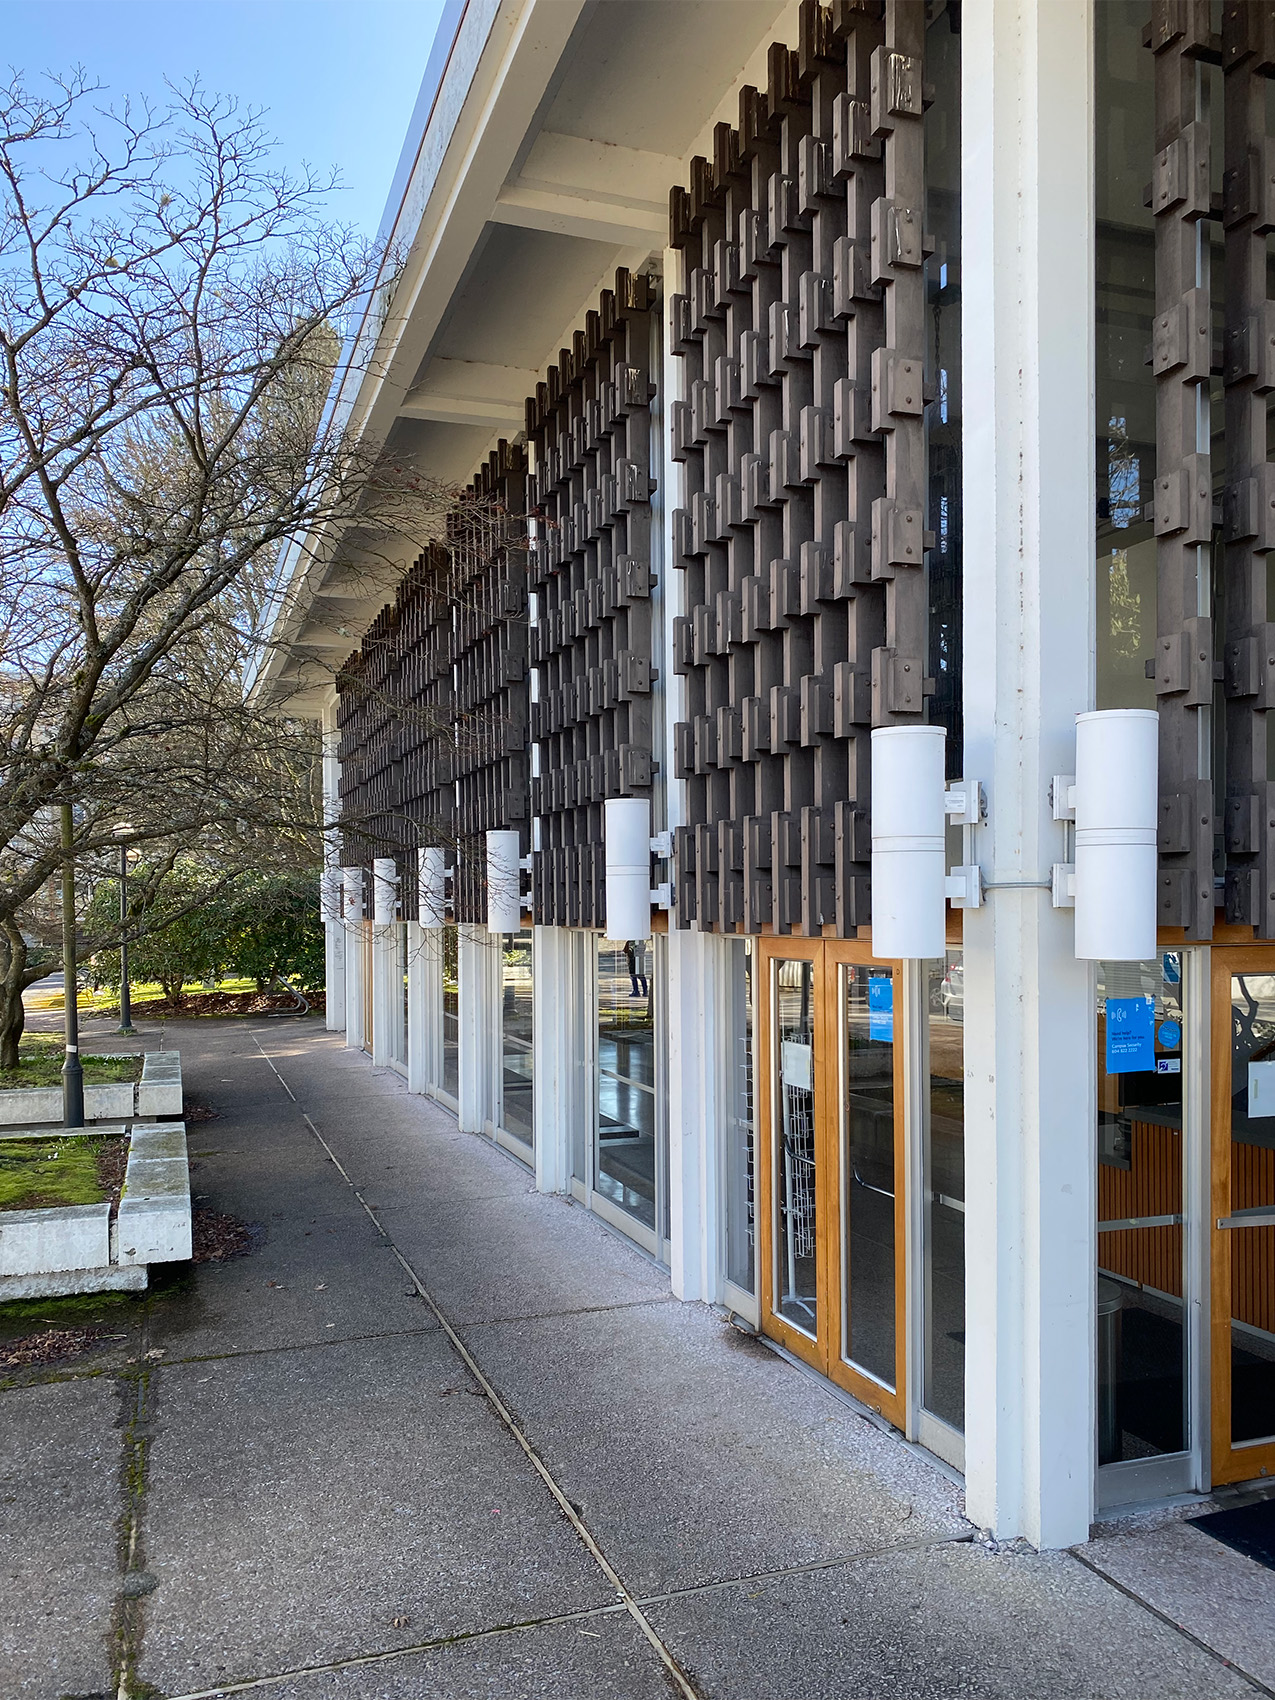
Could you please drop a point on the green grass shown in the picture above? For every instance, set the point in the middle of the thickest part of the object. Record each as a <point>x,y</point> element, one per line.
<point>37,1173</point>
<point>40,1059</point>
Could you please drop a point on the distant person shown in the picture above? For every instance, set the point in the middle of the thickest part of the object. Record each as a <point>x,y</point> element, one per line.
<point>635,953</point>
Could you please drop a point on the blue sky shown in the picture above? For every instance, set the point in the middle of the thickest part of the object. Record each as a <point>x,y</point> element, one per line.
<point>339,78</point>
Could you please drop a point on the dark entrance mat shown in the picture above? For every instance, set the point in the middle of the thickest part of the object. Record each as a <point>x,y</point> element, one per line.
<point>1250,1529</point>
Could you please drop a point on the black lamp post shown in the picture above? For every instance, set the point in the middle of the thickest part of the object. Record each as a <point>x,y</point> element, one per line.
<point>126,1003</point>
<point>72,1073</point>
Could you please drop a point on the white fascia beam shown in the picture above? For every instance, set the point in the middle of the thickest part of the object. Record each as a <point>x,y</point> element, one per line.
<point>471,392</point>
<point>566,213</point>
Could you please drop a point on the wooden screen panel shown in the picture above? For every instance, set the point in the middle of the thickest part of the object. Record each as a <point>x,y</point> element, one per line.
<point>394,728</point>
<point>802,545</point>
<point>487,542</point>
<point>589,427</point>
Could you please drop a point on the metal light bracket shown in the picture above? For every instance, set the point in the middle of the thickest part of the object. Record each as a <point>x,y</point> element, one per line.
<point>662,846</point>
<point>965,805</point>
<point>1062,882</point>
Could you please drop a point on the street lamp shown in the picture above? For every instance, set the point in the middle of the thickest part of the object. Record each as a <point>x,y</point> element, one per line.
<point>72,1073</point>
<point>122,832</point>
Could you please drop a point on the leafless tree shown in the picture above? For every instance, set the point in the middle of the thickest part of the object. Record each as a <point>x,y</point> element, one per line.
<point>167,304</point>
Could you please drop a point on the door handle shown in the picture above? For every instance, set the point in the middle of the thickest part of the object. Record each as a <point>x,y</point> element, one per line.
<point>1261,1217</point>
<point>1126,1222</point>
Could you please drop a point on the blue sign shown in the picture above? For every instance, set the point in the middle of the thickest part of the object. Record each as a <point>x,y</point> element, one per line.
<point>881,1007</point>
<point>1130,1035</point>
<point>1170,1035</point>
<point>1172,967</point>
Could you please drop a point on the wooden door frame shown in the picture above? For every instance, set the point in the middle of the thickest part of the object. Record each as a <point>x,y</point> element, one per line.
<point>770,951</point>
<point>1229,1463</point>
<point>825,1352</point>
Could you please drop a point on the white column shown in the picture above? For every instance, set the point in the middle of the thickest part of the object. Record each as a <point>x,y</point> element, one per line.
<point>561,1047</point>
<point>383,991</point>
<point>333,931</point>
<point>699,1054</point>
<point>478,974</point>
<point>1027,292</point>
<point>424,1007</point>
<point>353,904</point>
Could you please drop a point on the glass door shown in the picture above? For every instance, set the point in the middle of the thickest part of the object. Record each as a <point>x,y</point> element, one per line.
<point>1243,1214</point>
<point>832,1173</point>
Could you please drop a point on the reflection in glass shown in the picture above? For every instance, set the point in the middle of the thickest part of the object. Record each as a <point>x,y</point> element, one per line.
<point>451,1014</point>
<point>1141,1344</point>
<point>625,1167</point>
<point>796,1273</point>
<point>943,1362</point>
<point>1252,1249</point>
<point>738,1153</point>
<point>1126,385</point>
<point>515,1029</point>
<point>398,984</point>
<point>867,1134</point>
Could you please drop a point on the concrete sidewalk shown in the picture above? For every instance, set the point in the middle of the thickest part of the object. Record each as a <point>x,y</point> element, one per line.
<point>439,1435</point>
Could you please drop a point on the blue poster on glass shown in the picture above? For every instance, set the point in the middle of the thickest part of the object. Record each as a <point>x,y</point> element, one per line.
<point>1130,1035</point>
<point>881,1007</point>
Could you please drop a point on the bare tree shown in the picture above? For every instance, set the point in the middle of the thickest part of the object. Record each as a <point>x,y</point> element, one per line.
<point>167,306</point>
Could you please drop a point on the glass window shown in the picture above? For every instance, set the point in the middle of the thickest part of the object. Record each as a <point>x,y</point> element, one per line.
<point>451,1014</point>
<point>868,1141</point>
<point>516,1053</point>
<point>1141,1345</point>
<point>943,1248</point>
<point>943,370</point>
<point>797,1269</point>
<point>1126,389</point>
<point>626,1119</point>
<point>1251,1249</point>
<point>737,1155</point>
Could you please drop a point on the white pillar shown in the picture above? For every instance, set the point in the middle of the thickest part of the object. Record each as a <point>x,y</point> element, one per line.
<point>1027,292</point>
<point>333,931</point>
<point>383,992</point>
<point>424,1007</point>
<point>699,1055</point>
<point>561,1047</point>
<point>353,902</point>
<point>478,977</point>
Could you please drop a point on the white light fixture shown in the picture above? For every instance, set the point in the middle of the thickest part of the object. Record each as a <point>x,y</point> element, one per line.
<point>1116,797</point>
<point>627,836</point>
<point>909,915</point>
<point>431,887</point>
<point>352,892</point>
<point>330,888</point>
<point>504,903</point>
<point>384,890</point>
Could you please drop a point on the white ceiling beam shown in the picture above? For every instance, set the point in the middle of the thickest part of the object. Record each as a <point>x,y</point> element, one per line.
<point>568,213</point>
<point>471,392</point>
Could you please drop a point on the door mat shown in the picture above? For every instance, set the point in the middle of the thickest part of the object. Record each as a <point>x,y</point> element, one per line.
<point>1250,1529</point>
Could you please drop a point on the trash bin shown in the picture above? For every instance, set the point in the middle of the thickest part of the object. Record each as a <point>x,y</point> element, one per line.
<point>1110,1303</point>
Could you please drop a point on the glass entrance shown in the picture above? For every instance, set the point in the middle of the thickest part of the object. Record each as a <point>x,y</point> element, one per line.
<point>1243,1215</point>
<point>831,1166</point>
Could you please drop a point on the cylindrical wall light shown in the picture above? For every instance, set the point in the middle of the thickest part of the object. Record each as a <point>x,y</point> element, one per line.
<point>331,886</point>
<point>384,890</point>
<point>504,904</point>
<point>909,914</point>
<point>352,892</point>
<point>431,888</point>
<point>1117,768</point>
<point>627,832</point>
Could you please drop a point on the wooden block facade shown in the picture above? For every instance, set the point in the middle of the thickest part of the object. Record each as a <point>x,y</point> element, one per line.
<point>394,722</point>
<point>487,542</point>
<point>589,427</point>
<point>802,333</point>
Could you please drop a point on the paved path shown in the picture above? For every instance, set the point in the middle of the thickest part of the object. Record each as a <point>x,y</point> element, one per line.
<point>442,1436</point>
